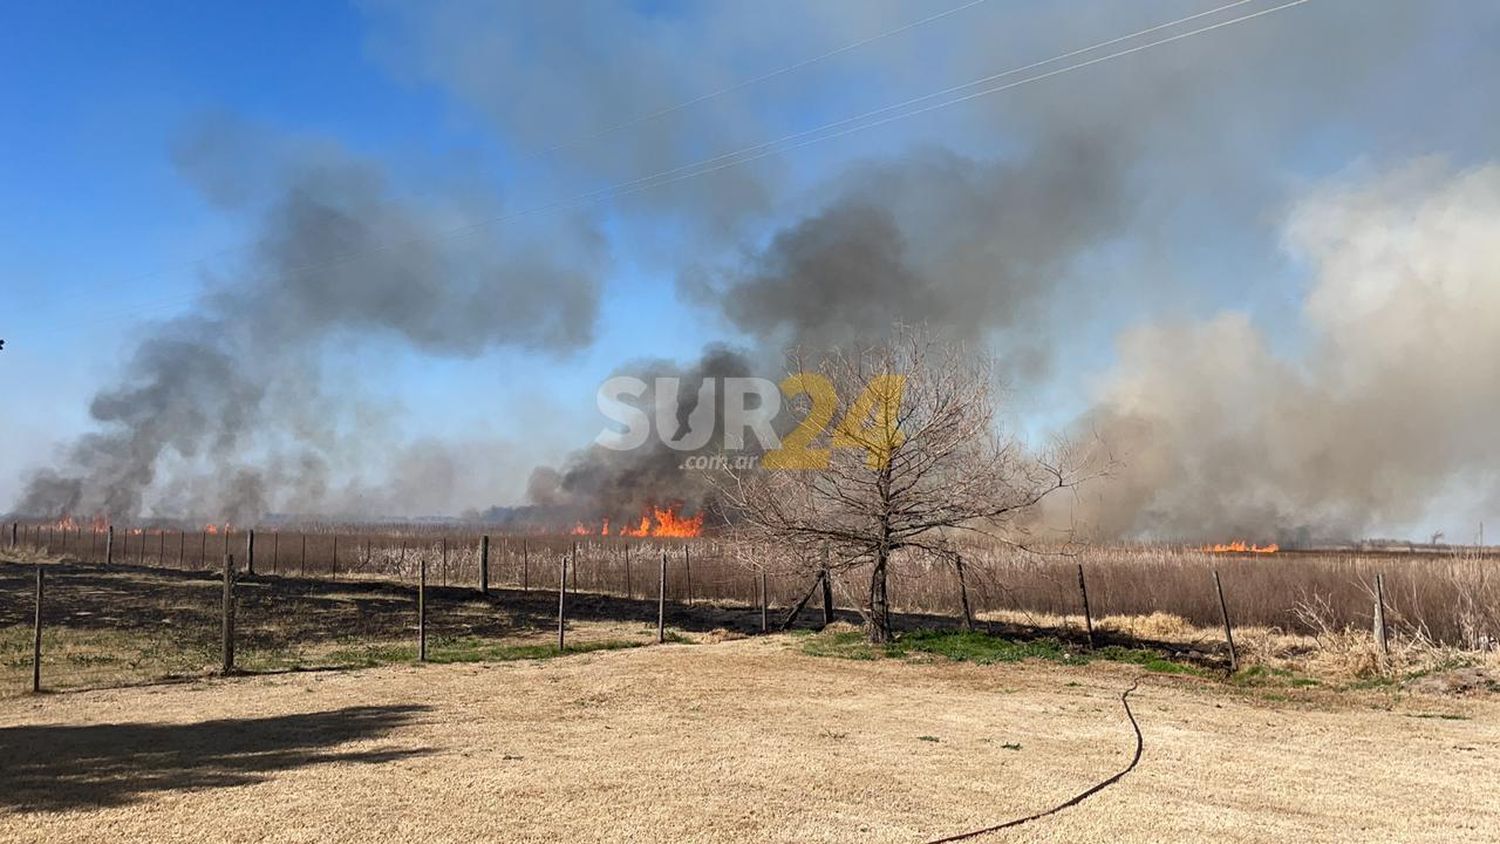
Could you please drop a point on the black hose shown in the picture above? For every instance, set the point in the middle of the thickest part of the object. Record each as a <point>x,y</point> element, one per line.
<point>1140,745</point>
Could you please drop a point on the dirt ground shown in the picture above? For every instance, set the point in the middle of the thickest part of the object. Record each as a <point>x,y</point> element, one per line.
<point>736,741</point>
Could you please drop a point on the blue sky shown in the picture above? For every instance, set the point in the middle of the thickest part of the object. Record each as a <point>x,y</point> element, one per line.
<point>100,230</point>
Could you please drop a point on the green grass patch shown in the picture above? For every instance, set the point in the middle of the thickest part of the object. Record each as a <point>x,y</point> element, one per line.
<point>1149,660</point>
<point>843,644</point>
<point>371,654</point>
<point>980,649</point>
<point>469,649</point>
<point>1261,676</point>
<point>1441,716</point>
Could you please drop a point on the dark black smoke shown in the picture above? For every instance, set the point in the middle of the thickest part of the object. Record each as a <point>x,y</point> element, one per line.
<point>597,482</point>
<point>223,413</point>
<point>939,239</point>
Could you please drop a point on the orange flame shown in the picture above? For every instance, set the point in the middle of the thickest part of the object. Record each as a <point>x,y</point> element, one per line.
<point>643,529</point>
<point>67,522</point>
<point>668,523</point>
<point>660,521</point>
<point>1239,546</point>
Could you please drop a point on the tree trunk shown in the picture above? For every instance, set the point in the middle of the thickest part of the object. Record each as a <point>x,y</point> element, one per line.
<point>880,611</point>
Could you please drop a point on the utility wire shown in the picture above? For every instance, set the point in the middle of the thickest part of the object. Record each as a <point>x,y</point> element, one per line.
<point>980,81</point>
<point>814,135</point>
<point>756,80</point>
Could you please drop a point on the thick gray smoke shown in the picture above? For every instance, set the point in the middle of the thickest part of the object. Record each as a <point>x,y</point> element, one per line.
<point>1040,220</point>
<point>1007,248</point>
<point>224,413</point>
<point>935,238</point>
<point>1388,417</point>
<point>597,482</point>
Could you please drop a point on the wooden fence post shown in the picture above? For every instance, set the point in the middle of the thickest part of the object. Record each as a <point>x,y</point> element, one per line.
<point>181,549</point>
<point>826,582</point>
<point>304,556</point>
<point>687,568</point>
<point>1380,628</point>
<point>335,556</point>
<point>275,552</point>
<point>661,602</point>
<point>444,544</point>
<point>575,567</point>
<point>422,610</point>
<point>14,526</point>
<point>228,614</point>
<point>36,636</point>
<point>963,593</point>
<point>1234,660</point>
<point>1088,618</point>
<point>765,605</point>
<point>203,549</point>
<point>484,564</point>
<point>109,545</point>
<point>250,551</point>
<point>562,600</point>
<point>525,568</point>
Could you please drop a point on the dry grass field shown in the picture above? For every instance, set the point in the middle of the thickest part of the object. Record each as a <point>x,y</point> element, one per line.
<point>336,734</point>
<point>751,739</point>
<point>1450,598</point>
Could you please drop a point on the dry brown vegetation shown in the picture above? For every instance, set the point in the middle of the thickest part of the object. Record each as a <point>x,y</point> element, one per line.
<point>1446,599</point>
<point>1295,611</point>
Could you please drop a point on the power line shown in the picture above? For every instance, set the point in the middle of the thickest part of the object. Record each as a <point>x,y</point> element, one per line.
<point>818,134</point>
<point>954,101</point>
<point>756,80</point>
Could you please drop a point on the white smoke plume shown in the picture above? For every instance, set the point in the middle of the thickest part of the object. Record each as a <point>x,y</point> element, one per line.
<point>1385,410</point>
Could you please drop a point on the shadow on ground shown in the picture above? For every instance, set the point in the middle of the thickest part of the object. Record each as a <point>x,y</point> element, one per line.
<point>60,767</point>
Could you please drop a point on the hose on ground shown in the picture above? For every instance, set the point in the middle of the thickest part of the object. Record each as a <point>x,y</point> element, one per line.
<point>1140,745</point>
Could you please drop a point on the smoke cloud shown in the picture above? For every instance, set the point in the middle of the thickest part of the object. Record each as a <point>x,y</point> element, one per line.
<point>620,485</point>
<point>224,412</point>
<point>1042,221</point>
<point>1387,413</point>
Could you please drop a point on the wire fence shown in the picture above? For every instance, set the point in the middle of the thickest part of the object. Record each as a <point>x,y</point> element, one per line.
<point>134,603</point>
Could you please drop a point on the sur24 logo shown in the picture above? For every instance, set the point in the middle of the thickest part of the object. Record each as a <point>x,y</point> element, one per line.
<point>870,422</point>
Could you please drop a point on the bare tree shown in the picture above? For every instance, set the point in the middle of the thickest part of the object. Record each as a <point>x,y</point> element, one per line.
<point>913,461</point>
